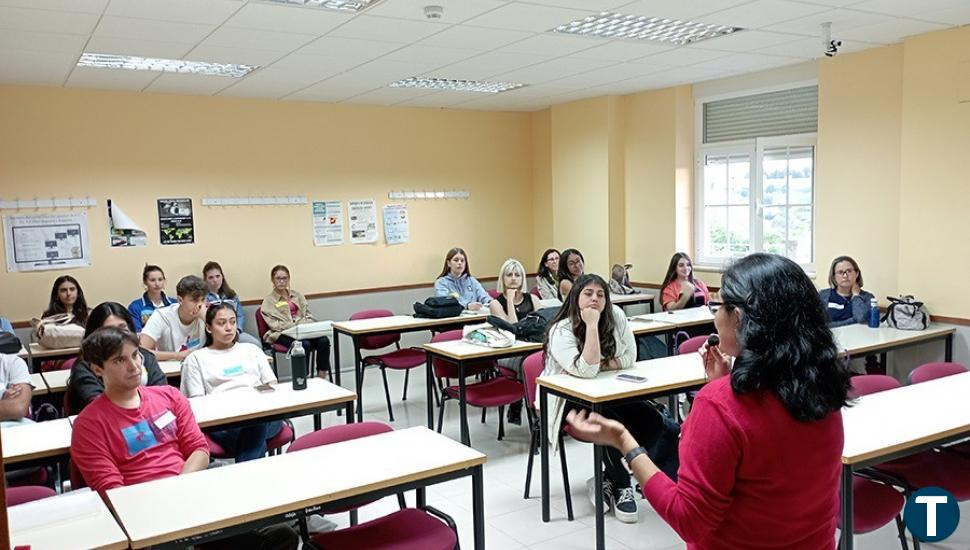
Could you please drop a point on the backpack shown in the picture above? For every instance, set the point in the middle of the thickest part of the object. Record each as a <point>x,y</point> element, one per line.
<point>9,343</point>
<point>438,307</point>
<point>906,313</point>
<point>487,335</point>
<point>620,280</point>
<point>530,329</point>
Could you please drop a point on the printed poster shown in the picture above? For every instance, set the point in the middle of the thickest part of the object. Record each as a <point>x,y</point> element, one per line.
<point>328,223</point>
<point>175,224</point>
<point>39,242</point>
<point>396,223</point>
<point>122,231</point>
<point>363,221</point>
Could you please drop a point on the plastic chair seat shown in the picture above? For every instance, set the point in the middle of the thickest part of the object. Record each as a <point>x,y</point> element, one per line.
<point>27,493</point>
<point>407,358</point>
<point>284,436</point>
<point>490,393</point>
<point>875,505</point>
<point>933,469</point>
<point>408,529</point>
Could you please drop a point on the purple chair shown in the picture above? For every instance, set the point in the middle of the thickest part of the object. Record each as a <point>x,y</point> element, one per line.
<point>398,359</point>
<point>28,493</point>
<point>864,384</point>
<point>274,445</point>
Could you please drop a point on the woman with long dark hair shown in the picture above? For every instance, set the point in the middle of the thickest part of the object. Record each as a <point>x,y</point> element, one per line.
<point>456,280</point>
<point>760,451</point>
<point>680,290</point>
<point>547,275</point>
<point>67,297</point>
<point>571,266</point>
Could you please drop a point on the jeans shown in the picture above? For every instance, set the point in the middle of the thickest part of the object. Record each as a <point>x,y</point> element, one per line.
<point>248,442</point>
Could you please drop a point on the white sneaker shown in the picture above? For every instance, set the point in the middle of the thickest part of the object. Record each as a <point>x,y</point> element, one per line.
<point>607,493</point>
<point>625,508</point>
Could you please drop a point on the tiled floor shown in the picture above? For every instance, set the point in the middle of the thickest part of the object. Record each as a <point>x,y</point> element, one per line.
<point>515,523</point>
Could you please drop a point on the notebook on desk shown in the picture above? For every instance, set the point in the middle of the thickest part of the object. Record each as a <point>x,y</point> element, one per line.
<point>307,331</point>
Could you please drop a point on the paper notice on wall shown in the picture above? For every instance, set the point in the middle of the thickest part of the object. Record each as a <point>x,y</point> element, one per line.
<point>122,231</point>
<point>363,221</point>
<point>328,223</point>
<point>396,223</point>
<point>42,242</point>
<point>175,221</point>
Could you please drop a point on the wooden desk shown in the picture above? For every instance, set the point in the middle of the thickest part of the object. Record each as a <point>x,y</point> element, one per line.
<point>668,323</point>
<point>246,405</point>
<point>922,416</point>
<point>460,353</point>
<point>36,353</point>
<point>56,380</point>
<point>388,325</point>
<point>78,519</point>
<point>861,339</point>
<point>36,443</point>
<point>221,502</point>
<point>624,300</point>
<point>666,376</point>
<point>38,384</point>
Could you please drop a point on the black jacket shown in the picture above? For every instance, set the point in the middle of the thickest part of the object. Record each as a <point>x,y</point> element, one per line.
<point>83,385</point>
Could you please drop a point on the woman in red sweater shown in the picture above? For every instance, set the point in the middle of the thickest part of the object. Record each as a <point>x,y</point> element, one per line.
<point>760,452</point>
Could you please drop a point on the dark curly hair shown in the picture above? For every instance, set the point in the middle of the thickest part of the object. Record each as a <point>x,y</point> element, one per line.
<point>786,345</point>
<point>570,310</point>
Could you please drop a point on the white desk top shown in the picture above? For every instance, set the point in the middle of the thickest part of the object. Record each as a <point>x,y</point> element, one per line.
<point>246,403</point>
<point>681,317</point>
<point>882,423</point>
<point>861,339</point>
<point>56,380</point>
<point>662,375</point>
<point>39,351</point>
<point>313,329</point>
<point>404,322</point>
<point>78,519</point>
<point>37,381</point>
<point>171,368</point>
<point>459,350</point>
<point>37,440</point>
<point>624,299</point>
<point>647,326</point>
<point>221,497</point>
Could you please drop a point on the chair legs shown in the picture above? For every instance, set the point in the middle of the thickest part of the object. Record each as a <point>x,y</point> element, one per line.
<point>536,438</point>
<point>565,479</point>
<point>501,421</point>
<point>407,374</point>
<point>387,394</point>
<point>902,534</point>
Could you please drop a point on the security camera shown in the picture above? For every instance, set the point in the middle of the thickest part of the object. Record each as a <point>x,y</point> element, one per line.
<point>829,47</point>
<point>833,48</point>
<point>434,12</point>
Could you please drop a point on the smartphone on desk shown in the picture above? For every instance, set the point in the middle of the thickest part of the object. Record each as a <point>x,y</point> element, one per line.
<point>265,388</point>
<point>631,378</point>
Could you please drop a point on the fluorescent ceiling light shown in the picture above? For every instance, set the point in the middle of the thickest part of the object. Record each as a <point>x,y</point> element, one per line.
<point>342,5</point>
<point>135,63</point>
<point>456,85</point>
<point>638,27</point>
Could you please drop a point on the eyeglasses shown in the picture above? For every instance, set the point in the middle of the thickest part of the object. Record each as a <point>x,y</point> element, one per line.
<point>714,305</point>
<point>844,272</point>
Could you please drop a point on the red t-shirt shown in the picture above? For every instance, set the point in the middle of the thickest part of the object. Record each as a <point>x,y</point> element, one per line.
<point>751,476</point>
<point>113,447</point>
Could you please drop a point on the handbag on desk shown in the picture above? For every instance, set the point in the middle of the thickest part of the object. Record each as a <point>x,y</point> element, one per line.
<point>487,335</point>
<point>907,313</point>
<point>58,331</point>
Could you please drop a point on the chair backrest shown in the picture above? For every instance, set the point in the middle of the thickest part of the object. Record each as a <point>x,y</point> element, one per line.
<point>338,433</point>
<point>932,371</point>
<point>375,342</point>
<point>864,384</point>
<point>261,327</point>
<point>532,367</point>
<point>535,292</point>
<point>28,493</point>
<point>66,365</point>
<point>492,292</point>
<point>691,345</point>
<point>444,368</point>
<point>74,473</point>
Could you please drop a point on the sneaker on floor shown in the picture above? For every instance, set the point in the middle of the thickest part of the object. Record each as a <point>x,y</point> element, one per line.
<point>625,505</point>
<point>514,415</point>
<point>607,493</point>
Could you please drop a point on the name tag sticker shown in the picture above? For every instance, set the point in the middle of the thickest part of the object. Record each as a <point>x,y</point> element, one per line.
<point>232,371</point>
<point>833,305</point>
<point>282,304</point>
<point>164,420</point>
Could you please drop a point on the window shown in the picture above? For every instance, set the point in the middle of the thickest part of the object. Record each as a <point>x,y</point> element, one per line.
<point>755,177</point>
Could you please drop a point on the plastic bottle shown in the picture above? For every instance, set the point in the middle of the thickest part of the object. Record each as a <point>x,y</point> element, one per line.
<point>298,365</point>
<point>874,313</point>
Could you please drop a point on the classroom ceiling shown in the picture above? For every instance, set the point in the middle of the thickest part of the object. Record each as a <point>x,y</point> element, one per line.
<point>313,54</point>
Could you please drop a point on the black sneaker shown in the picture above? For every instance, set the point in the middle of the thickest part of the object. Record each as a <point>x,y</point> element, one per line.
<point>514,415</point>
<point>607,493</point>
<point>625,505</point>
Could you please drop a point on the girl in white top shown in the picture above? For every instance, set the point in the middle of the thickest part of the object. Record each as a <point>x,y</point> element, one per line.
<point>225,364</point>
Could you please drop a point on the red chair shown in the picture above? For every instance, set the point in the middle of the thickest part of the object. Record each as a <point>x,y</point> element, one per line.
<point>932,371</point>
<point>491,392</point>
<point>68,364</point>
<point>875,504</point>
<point>29,493</point>
<point>691,345</point>
<point>492,292</point>
<point>274,445</point>
<point>398,359</point>
<point>864,384</point>
<point>535,292</point>
<point>531,369</point>
<point>262,328</point>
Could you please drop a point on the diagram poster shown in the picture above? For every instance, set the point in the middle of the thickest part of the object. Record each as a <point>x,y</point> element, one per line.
<point>40,242</point>
<point>363,221</point>
<point>175,221</point>
<point>396,223</point>
<point>328,223</point>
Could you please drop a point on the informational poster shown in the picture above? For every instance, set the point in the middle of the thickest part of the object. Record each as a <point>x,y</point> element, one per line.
<point>175,221</point>
<point>122,231</point>
<point>40,242</point>
<point>328,223</point>
<point>363,221</point>
<point>396,223</point>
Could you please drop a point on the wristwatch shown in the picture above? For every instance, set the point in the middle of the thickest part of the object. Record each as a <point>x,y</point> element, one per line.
<point>637,451</point>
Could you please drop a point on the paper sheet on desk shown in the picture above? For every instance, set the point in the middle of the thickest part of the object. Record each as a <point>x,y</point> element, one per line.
<point>60,509</point>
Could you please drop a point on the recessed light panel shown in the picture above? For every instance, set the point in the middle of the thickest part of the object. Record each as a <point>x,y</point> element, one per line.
<point>640,27</point>
<point>135,63</point>
<point>342,5</point>
<point>481,86</point>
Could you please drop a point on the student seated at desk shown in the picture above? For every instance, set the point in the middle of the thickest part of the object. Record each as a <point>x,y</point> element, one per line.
<point>83,385</point>
<point>845,301</point>
<point>572,265</point>
<point>760,451</point>
<point>15,390</point>
<point>225,364</point>
<point>456,280</point>
<point>132,434</point>
<point>589,336</point>
<point>680,289</point>
<point>154,297</point>
<point>547,275</point>
<point>513,304</point>
<point>219,292</point>
<point>67,297</point>
<point>285,308</point>
<point>174,331</point>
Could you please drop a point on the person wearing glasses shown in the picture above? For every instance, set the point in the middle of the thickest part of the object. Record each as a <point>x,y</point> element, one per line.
<point>845,300</point>
<point>547,275</point>
<point>680,289</point>
<point>285,308</point>
<point>571,267</point>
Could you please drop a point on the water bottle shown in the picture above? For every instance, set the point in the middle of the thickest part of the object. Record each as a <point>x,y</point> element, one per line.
<point>298,365</point>
<point>873,313</point>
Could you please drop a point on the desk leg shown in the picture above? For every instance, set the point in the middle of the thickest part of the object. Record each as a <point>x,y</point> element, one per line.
<point>544,450</point>
<point>336,359</point>
<point>652,306</point>
<point>421,497</point>
<point>359,376</point>
<point>845,538</point>
<point>948,348</point>
<point>429,381</point>
<point>669,337</point>
<point>465,438</point>
<point>350,412</point>
<point>598,483</point>
<point>478,506</point>
<point>318,421</point>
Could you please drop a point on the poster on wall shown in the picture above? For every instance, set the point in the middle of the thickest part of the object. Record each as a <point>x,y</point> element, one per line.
<point>363,221</point>
<point>396,223</point>
<point>175,221</point>
<point>122,231</point>
<point>328,223</point>
<point>40,242</point>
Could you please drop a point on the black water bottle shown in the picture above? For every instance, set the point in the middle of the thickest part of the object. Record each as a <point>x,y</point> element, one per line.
<point>298,365</point>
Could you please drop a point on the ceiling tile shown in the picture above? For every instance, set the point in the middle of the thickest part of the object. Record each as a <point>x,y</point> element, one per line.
<point>679,9</point>
<point>224,54</point>
<point>317,66</point>
<point>281,18</point>
<point>747,40</point>
<point>233,37</point>
<point>37,68</point>
<point>552,45</point>
<point>371,27</point>
<point>146,29</point>
<point>437,57</point>
<point>953,16</point>
<point>527,17</point>
<point>837,3</point>
<point>376,74</point>
<point>891,31</point>
<point>490,64</point>
<point>908,8</point>
<point>464,36</point>
<point>193,84</point>
<point>78,6</point>
<point>58,22</point>
<point>455,11</point>
<point>841,19</point>
<point>744,61</point>
<point>762,13</point>
<point>592,6</point>
<point>351,48</point>
<point>445,98</point>
<point>623,50</point>
<point>143,48</point>
<point>269,83</point>
<point>388,96</point>
<point>42,42</point>
<point>683,56</point>
<point>110,79</point>
<point>606,75</point>
<point>552,70</point>
<point>334,89</point>
<point>811,48</point>
<point>210,12</point>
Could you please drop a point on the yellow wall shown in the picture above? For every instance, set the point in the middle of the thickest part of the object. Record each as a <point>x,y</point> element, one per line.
<point>135,148</point>
<point>542,220</point>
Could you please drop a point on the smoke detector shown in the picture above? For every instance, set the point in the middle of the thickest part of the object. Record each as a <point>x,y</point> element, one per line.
<point>434,12</point>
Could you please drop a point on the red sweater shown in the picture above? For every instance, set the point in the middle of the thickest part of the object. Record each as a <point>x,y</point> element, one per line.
<point>751,476</point>
<point>112,446</point>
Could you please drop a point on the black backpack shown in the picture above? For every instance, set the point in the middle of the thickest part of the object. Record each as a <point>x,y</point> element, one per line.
<point>9,343</point>
<point>530,329</point>
<point>438,307</point>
